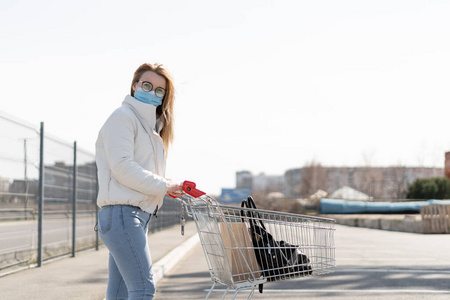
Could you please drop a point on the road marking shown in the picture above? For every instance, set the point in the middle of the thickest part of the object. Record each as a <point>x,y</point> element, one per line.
<point>398,291</point>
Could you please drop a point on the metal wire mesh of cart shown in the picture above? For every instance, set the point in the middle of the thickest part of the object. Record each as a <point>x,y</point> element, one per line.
<point>245,247</point>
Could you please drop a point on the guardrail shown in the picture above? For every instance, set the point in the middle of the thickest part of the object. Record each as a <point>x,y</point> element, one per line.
<point>32,214</point>
<point>435,219</point>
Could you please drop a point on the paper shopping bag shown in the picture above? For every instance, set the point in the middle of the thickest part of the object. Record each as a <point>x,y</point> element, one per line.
<point>240,252</point>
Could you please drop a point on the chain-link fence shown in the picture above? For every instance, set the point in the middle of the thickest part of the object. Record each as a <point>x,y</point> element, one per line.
<point>48,206</point>
<point>69,196</point>
<point>19,181</point>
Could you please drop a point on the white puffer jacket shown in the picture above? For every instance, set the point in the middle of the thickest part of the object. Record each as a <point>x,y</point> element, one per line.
<point>130,158</point>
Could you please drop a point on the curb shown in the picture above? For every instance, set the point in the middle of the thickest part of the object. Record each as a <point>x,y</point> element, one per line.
<point>165,264</point>
<point>393,222</point>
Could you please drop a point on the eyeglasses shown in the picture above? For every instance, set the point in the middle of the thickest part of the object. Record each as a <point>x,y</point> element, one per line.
<point>148,87</point>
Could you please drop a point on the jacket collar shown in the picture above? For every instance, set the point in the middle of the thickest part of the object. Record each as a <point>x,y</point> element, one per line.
<point>146,112</point>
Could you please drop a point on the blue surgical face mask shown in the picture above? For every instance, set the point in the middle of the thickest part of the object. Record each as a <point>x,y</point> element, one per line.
<point>147,97</point>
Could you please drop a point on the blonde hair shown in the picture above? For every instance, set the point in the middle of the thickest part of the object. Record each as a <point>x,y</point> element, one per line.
<point>164,111</point>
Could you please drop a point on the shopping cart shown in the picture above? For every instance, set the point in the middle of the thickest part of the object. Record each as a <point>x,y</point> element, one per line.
<point>246,247</point>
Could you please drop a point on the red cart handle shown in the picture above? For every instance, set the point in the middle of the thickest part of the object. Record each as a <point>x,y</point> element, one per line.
<point>189,188</point>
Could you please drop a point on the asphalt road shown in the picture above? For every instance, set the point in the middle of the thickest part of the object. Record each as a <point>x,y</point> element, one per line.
<point>22,235</point>
<point>372,264</point>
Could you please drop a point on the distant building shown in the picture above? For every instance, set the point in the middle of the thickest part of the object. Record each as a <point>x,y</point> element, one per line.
<point>4,184</point>
<point>234,195</point>
<point>244,179</point>
<point>377,182</point>
<point>22,190</point>
<point>247,184</point>
<point>259,183</point>
<point>267,184</point>
<point>293,179</point>
<point>4,188</point>
<point>58,182</point>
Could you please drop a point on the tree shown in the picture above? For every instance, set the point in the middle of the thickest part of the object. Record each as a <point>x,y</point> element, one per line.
<point>314,177</point>
<point>429,188</point>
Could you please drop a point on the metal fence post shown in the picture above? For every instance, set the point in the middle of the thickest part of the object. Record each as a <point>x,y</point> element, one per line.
<point>96,208</point>
<point>74,198</point>
<point>41,195</point>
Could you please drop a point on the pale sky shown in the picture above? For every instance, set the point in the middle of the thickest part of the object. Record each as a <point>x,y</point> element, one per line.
<point>264,86</point>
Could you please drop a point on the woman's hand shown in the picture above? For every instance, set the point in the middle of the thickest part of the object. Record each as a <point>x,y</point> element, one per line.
<point>174,189</point>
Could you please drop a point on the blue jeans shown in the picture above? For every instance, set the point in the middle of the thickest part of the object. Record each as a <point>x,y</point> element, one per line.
<point>123,229</point>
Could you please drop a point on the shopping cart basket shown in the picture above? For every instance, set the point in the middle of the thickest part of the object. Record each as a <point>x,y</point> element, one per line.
<point>246,247</point>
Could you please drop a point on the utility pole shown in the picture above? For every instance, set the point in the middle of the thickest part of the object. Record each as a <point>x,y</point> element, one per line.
<point>74,199</point>
<point>25,176</point>
<point>41,195</point>
<point>25,162</point>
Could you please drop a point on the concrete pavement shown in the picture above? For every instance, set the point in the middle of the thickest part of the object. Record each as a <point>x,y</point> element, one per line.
<point>372,264</point>
<point>85,276</point>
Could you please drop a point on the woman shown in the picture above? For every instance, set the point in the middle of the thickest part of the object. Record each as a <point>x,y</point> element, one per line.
<point>130,155</point>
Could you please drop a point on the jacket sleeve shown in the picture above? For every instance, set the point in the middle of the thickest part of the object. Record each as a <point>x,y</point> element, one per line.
<point>118,138</point>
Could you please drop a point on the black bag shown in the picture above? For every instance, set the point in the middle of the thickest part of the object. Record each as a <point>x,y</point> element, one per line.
<point>277,259</point>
